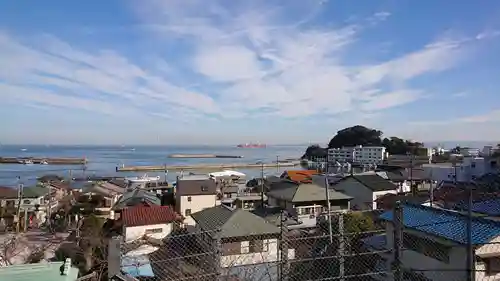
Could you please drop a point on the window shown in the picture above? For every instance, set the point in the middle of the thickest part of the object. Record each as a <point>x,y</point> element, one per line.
<point>154,230</point>
<point>189,198</point>
<point>26,201</point>
<point>491,265</point>
<point>204,188</point>
<point>258,246</point>
<point>188,212</point>
<point>426,247</point>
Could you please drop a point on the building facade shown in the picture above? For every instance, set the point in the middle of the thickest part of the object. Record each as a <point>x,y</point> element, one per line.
<point>195,194</point>
<point>358,154</point>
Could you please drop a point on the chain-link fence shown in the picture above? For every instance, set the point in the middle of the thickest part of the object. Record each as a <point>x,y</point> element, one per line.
<point>411,242</point>
<point>314,253</point>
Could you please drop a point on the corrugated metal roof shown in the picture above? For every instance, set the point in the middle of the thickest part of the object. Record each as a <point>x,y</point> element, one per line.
<point>446,224</point>
<point>38,271</point>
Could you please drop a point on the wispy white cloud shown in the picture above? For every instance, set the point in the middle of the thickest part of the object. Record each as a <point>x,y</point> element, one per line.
<point>249,59</point>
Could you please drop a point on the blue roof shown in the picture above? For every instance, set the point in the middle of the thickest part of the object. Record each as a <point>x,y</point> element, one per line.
<point>446,224</point>
<point>489,207</point>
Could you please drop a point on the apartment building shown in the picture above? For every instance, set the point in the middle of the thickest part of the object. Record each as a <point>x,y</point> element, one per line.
<point>358,154</point>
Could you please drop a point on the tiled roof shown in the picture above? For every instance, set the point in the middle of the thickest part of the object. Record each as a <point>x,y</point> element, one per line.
<point>375,182</point>
<point>446,224</point>
<point>233,222</point>
<point>388,201</point>
<point>303,176</point>
<point>135,197</point>
<point>28,192</point>
<point>303,192</point>
<point>490,207</point>
<point>147,215</point>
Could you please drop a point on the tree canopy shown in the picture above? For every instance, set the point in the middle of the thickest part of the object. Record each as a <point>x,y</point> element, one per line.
<point>361,135</point>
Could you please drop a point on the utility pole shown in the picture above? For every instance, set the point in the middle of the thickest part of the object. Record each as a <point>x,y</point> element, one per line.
<point>328,209</point>
<point>262,183</point>
<point>20,188</point>
<point>277,163</point>
<point>49,209</point>
<point>471,274</point>
<point>341,246</point>
<point>412,188</point>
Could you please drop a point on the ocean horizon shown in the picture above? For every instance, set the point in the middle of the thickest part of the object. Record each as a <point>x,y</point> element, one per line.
<point>103,159</point>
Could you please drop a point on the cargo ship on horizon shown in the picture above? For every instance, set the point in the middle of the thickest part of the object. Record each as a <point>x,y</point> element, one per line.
<point>252,145</point>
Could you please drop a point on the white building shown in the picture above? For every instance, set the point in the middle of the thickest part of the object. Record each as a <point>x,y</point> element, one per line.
<point>468,169</point>
<point>438,253</point>
<point>151,221</point>
<point>193,194</point>
<point>357,154</point>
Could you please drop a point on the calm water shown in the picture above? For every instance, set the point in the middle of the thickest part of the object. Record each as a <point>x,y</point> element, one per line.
<point>103,160</point>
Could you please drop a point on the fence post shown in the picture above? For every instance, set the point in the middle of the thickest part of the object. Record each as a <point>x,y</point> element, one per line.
<point>284,266</point>
<point>398,241</point>
<point>218,254</point>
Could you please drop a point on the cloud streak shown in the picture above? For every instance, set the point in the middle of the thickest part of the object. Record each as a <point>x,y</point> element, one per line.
<point>248,60</point>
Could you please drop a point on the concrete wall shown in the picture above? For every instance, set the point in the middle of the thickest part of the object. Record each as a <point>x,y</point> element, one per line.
<point>197,203</point>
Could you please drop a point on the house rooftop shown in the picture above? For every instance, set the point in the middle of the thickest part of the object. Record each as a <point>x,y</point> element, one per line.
<point>374,182</point>
<point>193,187</point>
<point>38,271</point>
<point>135,197</point>
<point>147,215</point>
<point>446,224</point>
<point>490,207</point>
<point>28,192</point>
<point>304,176</point>
<point>233,222</point>
<point>303,192</point>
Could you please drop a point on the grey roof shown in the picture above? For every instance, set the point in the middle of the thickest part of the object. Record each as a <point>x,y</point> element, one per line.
<point>303,192</point>
<point>373,182</point>
<point>134,197</point>
<point>196,187</point>
<point>233,222</point>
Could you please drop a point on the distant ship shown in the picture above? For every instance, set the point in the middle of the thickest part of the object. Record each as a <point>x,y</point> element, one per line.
<point>251,145</point>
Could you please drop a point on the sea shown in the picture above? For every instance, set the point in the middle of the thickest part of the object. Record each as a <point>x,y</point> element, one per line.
<point>103,160</point>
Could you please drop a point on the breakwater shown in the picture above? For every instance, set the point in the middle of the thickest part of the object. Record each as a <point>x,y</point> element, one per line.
<point>205,167</point>
<point>203,156</point>
<point>46,160</point>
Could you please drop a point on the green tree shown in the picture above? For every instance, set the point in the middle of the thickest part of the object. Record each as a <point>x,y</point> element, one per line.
<point>314,152</point>
<point>360,135</point>
<point>356,135</point>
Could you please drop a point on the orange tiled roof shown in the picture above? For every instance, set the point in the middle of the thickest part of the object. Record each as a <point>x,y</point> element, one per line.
<point>303,176</point>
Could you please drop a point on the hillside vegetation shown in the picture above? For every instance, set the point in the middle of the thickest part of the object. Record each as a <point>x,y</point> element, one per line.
<point>361,135</point>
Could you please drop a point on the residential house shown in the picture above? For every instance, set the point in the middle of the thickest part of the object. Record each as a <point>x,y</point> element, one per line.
<point>303,176</point>
<point>35,201</point>
<point>246,239</point>
<point>435,244</point>
<point>134,197</point>
<point>365,189</point>
<point>108,195</point>
<point>194,194</point>
<point>150,221</point>
<point>305,201</point>
<point>51,271</point>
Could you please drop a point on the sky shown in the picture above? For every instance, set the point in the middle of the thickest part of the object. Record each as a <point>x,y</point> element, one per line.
<point>227,72</point>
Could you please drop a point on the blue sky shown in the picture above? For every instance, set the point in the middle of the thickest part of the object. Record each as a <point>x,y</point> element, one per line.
<point>223,72</point>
